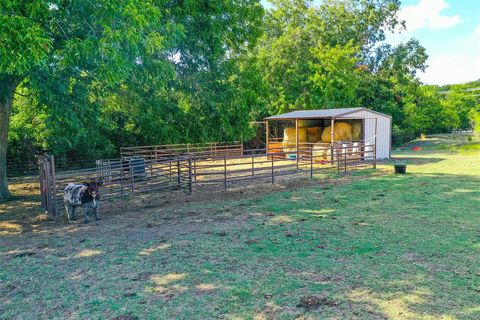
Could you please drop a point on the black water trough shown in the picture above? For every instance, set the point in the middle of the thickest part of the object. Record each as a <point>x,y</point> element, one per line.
<point>400,168</point>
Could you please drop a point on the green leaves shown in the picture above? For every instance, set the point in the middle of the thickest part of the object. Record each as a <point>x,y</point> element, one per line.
<point>24,43</point>
<point>335,75</point>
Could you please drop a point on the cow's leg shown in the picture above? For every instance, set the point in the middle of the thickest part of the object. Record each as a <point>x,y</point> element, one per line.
<point>95,212</point>
<point>70,211</point>
<point>67,208</point>
<point>85,213</point>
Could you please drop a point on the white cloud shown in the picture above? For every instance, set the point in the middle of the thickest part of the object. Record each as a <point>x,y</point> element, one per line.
<point>452,68</point>
<point>427,14</point>
<point>459,65</point>
<point>476,32</point>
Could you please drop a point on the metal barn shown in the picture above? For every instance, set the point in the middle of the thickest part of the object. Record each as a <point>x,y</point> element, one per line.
<point>376,127</point>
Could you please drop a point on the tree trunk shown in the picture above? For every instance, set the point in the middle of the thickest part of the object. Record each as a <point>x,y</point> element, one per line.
<point>8,84</point>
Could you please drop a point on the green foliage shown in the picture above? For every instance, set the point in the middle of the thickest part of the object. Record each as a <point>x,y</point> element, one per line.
<point>98,75</point>
<point>127,72</point>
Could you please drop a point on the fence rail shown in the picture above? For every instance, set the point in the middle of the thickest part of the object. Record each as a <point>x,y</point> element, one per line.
<point>213,149</point>
<point>135,174</point>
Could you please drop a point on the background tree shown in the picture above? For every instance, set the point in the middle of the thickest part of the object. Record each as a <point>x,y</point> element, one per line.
<point>80,79</point>
<point>61,49</point>
<point>100,74</point>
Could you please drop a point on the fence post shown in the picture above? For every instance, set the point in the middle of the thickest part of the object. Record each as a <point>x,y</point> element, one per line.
<point>338,158</point>
<point>225,172</point>
<point>190,174</point>
<point>178,174</point>
<point>374,156</point>
<point>253,166</point>
<point>272,168</point>
<point>298,154</point>
<point>48,186</point>
<point>311,163</point>
<point>54,185</point>
<point>41,174</point>
<point>345,157</point>
<point>132,179</point>
<point>195,167</point>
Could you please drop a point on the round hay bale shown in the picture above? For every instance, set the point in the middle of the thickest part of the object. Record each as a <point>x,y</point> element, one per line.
<point>342,132</point>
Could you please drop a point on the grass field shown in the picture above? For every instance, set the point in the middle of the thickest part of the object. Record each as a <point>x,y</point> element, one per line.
<point>372,246</point>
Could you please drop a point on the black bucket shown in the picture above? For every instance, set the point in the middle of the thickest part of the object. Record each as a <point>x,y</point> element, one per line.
<point>400,168</point>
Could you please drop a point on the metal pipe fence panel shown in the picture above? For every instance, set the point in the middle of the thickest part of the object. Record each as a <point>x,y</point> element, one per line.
<point>135,174</point>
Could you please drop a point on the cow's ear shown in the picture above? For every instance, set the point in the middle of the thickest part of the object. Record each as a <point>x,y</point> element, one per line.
<point>100,183</point>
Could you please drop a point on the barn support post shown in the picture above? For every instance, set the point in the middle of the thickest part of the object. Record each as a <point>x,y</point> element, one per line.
<point>375,147</point>
<point>332,126</point>
<point>296,141</point>
<point>266,136</point>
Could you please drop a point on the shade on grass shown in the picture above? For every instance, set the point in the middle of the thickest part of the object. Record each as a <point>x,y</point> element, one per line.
<point>389,246</point>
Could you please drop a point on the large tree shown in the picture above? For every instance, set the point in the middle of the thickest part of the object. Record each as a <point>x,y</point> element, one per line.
<point>100,74</point>
<point>57,45</point>
<point>312,55</point>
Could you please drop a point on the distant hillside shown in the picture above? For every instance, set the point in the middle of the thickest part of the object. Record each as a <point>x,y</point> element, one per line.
<point>466,86</point>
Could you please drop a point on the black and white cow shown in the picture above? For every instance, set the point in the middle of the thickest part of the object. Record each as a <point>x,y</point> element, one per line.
<point>82,195</point>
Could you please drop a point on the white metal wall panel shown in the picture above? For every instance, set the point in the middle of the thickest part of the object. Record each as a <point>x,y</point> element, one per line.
<point>384,131</point>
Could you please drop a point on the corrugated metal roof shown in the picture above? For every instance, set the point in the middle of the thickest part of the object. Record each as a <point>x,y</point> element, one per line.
<point>323,113</point>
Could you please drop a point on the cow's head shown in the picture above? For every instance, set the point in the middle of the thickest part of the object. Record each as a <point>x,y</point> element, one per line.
<point>92,187</point>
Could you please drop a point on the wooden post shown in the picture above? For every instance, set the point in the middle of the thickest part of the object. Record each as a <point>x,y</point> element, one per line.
<point>41,174</point>
<point>54,185</point>
<point>253,165</point>
<point>345,157</point>
<point>332,126</point>
<point>48,187</point>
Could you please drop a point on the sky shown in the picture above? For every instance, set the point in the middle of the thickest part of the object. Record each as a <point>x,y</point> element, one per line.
<point>450,32</point>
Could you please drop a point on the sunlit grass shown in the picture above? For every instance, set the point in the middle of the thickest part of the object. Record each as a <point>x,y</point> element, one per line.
<point>378,246</point>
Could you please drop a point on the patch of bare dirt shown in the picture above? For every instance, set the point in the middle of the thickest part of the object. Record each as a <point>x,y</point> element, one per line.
<point>147,216</point>
<point>315,302</point>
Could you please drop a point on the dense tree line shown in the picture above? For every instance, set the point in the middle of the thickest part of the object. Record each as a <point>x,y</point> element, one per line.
<point>81,78</point>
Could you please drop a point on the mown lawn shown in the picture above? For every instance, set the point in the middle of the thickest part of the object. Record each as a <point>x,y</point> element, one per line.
<point>366,247</point>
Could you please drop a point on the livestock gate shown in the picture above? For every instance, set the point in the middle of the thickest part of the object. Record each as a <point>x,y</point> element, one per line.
<point>181,167</point>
